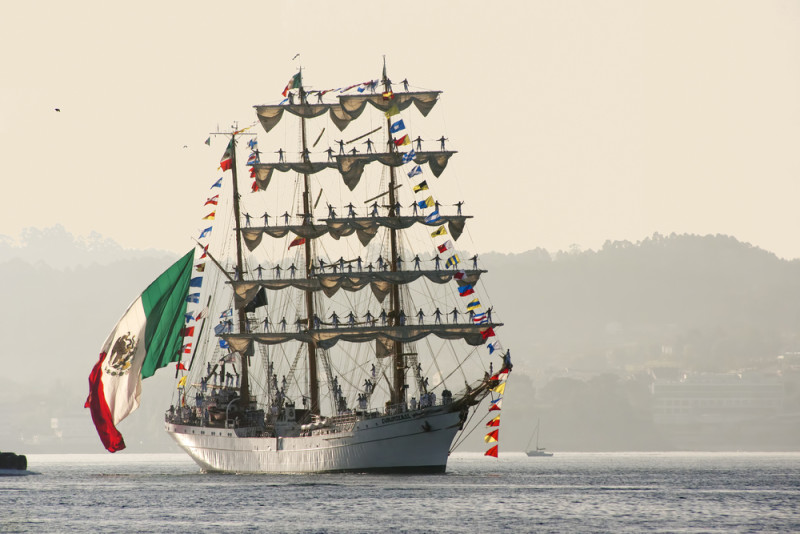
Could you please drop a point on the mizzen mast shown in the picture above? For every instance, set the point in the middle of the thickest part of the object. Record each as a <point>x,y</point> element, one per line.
<point>398,358</point>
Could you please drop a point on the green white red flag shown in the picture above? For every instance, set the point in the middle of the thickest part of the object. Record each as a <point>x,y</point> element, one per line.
<point>146,338</point>
<point>295,82</point>
<point>227,158</point>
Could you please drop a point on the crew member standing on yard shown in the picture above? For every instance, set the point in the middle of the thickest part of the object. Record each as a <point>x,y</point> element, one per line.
<point>369,318</point>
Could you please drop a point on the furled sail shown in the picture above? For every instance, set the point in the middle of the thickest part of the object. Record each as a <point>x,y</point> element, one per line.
<point>263,171</point>
<point>348,108</point>
<point>270,116</point>
<point>365,227</point>
<point>353,105</point>
<point>351,166</point>
<point>253,236</point>
<point>330,283</point>
<point>328,337</point>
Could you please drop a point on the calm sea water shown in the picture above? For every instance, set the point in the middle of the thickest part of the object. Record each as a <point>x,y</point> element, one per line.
<point>577,492</point>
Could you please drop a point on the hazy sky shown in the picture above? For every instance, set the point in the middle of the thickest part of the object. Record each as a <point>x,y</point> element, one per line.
<point>575,121</point>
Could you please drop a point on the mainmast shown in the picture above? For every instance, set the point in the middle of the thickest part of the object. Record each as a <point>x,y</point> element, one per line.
<point>313,381</point>
<point>395,335</point>
<point>244,389</point>
<point>399,365</point>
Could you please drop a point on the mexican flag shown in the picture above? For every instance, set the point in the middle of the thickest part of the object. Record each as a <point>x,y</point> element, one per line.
<point>146,338</point>
<point>295,82</point>
<point>227,158</point>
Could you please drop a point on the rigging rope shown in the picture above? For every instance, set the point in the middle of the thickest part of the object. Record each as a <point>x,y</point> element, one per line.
<point>463,436</point>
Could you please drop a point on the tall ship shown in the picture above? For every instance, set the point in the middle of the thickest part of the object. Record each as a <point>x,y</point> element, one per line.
<point>332,324</point>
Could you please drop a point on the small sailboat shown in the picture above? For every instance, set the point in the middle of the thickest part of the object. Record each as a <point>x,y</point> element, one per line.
<point>538,451</point>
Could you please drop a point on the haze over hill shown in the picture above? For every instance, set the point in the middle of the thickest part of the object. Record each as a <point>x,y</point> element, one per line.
<point>595,337</point>
<point>59,249</point>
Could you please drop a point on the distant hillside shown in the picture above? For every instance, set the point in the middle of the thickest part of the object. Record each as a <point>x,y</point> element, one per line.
<point>60,297</point>
<point>60,249</point>
<point>709,301</point>
<point>693,302</point>
<point>589,331</point>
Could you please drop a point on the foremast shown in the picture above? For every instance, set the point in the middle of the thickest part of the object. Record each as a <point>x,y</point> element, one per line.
<point>244,388</point>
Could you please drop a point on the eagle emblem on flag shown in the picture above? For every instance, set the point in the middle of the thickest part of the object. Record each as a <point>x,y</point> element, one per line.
<point>121,355</point>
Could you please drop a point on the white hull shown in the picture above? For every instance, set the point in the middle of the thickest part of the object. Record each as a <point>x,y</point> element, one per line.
<point>411,441</point>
